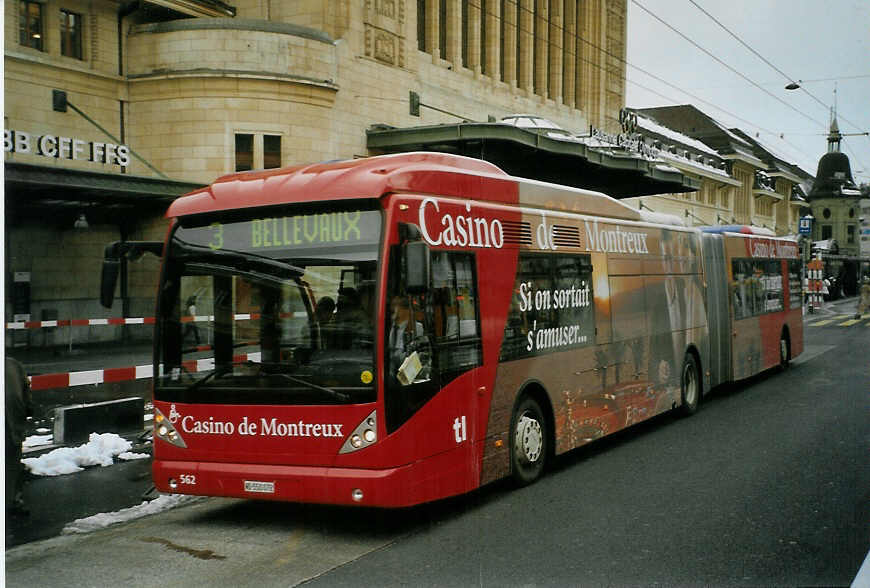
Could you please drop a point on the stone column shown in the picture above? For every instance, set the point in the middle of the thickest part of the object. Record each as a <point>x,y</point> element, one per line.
<point>473,24</point>
<point>542,40</point>
<point>510,42</point>
<point>555,35</point>
<point>569,65</point>
<point>454,33</point>
<point>526,43</point>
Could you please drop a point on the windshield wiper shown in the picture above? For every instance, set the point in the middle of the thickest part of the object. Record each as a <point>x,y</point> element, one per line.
<point>334,393</point>
<point>217,373</point>
<point>238,259</point>
<point>225,369</point>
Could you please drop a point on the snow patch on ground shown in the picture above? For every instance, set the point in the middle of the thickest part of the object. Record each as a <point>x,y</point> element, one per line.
<point>100,521</point>
<point>99,450</point>
<point>128,455</point>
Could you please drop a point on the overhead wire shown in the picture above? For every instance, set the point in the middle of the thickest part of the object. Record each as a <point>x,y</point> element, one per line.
<point>720,61</point>
<point>767,61</point>
<point>577,37</point>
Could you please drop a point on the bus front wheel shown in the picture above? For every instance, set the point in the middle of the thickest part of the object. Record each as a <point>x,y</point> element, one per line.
<point>529,439</point>
<point>690,385</point>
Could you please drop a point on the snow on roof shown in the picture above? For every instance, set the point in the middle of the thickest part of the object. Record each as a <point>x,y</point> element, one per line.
<point>654,127</point>
<point>728,132</point>
<point>661,218</point>
<point>674,157</point>
<point>780,149</point>
<point>825,245</point>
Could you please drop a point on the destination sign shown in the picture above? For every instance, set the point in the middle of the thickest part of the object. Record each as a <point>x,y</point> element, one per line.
<point>767,248</point>
<point>280,233</point>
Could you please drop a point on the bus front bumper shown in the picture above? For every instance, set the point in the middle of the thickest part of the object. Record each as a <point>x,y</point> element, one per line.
<point>393,487</point>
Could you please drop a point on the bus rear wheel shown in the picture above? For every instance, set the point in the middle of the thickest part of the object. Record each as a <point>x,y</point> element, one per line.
<point>529,442</point>
<point>690,385</point>
<point>784,352</point>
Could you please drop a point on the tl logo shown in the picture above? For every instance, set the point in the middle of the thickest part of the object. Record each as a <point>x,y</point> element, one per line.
<point>460,431</point>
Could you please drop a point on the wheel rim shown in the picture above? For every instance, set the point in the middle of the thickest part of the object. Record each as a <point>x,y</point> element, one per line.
<point>783,351</point>
<point>690,383</point>
<point>530,438</point>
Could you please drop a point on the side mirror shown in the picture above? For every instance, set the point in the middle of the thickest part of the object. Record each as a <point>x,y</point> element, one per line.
<point>112,264</point>
<point>416,265</point>
<point>108,280</point>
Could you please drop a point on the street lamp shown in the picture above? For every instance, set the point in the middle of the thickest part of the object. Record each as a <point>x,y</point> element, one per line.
<point>793,85</point>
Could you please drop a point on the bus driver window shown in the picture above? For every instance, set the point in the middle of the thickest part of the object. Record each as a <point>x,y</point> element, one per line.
<point>405,361</point>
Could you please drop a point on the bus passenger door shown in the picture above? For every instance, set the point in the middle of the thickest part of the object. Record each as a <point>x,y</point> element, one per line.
<point>718,309</point>
<point>634,380</point>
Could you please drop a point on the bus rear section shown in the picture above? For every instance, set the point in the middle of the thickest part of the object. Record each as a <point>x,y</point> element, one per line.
<point>754,297</point>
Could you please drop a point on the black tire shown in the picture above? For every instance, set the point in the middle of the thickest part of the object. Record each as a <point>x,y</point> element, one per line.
<point>690,385</point>
<point>529,441</point>
<point>784,352</point>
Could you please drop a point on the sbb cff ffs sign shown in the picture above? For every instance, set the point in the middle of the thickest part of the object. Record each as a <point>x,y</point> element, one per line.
<point>65,148</point>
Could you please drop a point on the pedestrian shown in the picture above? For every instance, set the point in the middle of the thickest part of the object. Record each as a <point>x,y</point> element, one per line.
<point>190,326</point>
<point>863,298</point>
<point>19,406</point>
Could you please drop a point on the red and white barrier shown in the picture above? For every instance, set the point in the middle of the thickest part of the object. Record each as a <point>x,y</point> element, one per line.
<point>148,320</point>
<point>122,374</point>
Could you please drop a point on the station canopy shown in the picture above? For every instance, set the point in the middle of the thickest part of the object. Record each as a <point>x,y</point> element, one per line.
<point>555,157</point>
<point>47,193</point>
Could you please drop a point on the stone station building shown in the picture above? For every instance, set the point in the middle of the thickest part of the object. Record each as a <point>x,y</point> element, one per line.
<point>114,108</point>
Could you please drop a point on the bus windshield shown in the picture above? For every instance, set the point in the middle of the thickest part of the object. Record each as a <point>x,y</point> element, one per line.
<point>272,310</point>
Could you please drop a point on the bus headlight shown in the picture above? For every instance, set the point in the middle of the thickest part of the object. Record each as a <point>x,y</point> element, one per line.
<point>363,435</point>
<point>163,429</point>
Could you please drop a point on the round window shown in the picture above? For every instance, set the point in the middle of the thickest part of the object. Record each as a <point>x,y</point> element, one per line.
<point>826,213</point>
<point>851,213</point>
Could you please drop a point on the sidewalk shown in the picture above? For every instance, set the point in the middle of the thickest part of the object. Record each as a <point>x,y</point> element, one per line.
<point>55,501</point>
<point>840,306</point>
<point>42,361</point>
<point>46,360</point>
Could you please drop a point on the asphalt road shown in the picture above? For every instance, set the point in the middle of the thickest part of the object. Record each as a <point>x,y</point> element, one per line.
<point>769,483</point>
<point>55,501</point>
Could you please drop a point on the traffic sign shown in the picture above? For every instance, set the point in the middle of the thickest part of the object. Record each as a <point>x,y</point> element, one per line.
<point>805,225</point>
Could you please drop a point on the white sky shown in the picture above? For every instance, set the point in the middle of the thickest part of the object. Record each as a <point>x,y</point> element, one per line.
<point>807,40</point>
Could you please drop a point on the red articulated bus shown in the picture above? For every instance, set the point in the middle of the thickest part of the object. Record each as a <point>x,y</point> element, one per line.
<point>398,329</point>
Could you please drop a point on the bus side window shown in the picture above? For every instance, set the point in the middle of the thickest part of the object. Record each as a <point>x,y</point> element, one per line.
<point>757,287</point>
<point>551,306</point>
<point>455,301</point>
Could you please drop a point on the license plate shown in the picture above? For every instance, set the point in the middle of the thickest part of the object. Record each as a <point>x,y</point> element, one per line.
<point>261,487</point>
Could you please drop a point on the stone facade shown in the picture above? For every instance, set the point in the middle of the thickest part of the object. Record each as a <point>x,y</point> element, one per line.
<point>315,73</point>
<point>310,76</point>
<point>742,182</point>
<point>838,218</point>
